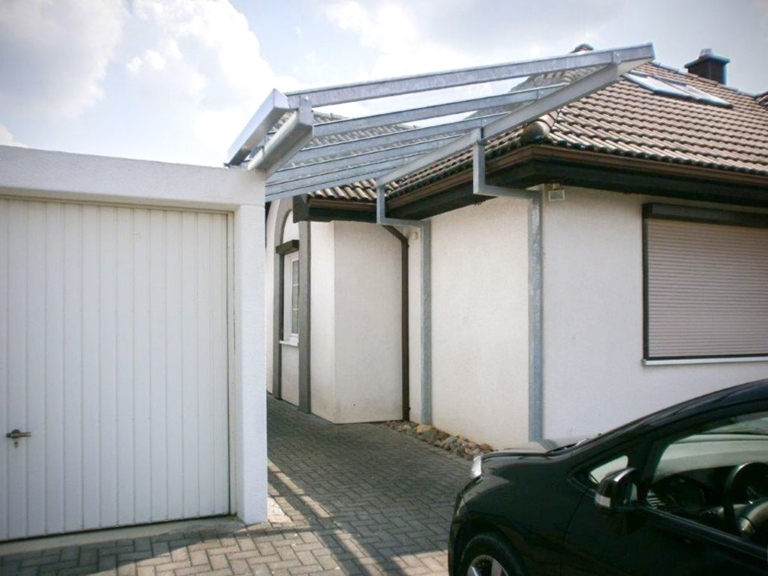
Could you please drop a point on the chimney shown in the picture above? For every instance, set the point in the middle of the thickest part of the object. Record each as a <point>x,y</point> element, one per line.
<point>709,65</point>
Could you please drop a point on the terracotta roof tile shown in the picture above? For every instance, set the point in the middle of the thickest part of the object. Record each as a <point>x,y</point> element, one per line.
<point>629,120</point>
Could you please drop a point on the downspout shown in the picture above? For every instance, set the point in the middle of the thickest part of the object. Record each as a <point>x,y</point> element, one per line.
<point>405,341</point>
<point>426,299</point>
<point>535,279</point>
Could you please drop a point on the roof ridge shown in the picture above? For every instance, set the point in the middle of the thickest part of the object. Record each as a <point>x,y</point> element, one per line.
<point>539,130</point>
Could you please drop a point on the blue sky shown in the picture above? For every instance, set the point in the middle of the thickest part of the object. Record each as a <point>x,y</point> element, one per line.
<point>176,80</point>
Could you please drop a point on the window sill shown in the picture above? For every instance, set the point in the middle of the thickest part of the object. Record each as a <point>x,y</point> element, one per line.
<point>294,343</point>
<point>684,361</point>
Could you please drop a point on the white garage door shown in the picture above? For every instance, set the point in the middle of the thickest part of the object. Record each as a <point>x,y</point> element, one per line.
<point>113,356</point>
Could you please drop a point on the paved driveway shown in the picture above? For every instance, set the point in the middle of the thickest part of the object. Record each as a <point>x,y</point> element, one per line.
<point>350,499</point>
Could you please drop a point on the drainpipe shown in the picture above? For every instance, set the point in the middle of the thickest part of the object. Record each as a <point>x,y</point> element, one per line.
<point>426,299</point>
<point>405,341</point>
<point>535,269</point>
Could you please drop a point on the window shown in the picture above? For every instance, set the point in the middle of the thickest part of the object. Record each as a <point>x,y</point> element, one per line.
<point>706,283</point>
<point>676,89</point>
<point>716,476</point>
<point>599,472</point>
<point>291,298</point>
<point>295,297</point>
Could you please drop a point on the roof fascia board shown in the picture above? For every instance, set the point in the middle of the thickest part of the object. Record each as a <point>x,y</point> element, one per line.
<point>270,111</point>
<point>437,81</point>
<point>362,144</point>
<point>329,166</point>
<point>436,111</point>
<point>287,141</point>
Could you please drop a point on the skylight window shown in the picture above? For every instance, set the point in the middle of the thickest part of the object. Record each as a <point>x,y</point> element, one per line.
<point>675,89</point>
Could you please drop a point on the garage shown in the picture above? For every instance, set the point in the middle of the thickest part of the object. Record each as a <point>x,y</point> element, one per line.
<point>123,398</point>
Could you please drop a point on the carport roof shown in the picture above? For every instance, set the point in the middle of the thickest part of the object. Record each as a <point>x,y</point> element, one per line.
<point>302,150</point>
<point>623,120</point>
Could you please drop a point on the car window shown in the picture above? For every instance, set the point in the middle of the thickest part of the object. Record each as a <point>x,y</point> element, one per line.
<point>716,475</point>
<point>602,470</point>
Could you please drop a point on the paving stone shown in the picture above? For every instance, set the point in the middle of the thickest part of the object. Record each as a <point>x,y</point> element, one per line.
<point>347,499</point>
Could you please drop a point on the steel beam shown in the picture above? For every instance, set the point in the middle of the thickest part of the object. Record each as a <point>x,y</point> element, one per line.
<point>318,182</point>
<point>553,101</point>
<point>331,166</point>
<point>360,145</point>
<point>567,94</point>
<point>287,141</point>
<point>270,111</point>
<point>438,81</point>
<point>414,114</point>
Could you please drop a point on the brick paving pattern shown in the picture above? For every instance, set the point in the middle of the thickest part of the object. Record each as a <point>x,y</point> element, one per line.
<point>348,499</point>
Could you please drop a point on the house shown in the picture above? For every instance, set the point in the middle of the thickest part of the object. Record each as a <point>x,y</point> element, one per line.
<point>124,286</point>
<point>621,268</point>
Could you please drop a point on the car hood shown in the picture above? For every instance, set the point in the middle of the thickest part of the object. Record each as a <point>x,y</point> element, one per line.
<point>539,446</point>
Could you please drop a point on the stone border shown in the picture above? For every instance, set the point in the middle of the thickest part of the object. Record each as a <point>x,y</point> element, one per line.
<point>439,438</point>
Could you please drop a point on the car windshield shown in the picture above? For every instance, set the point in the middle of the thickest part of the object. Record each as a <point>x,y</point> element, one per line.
<point>757,427</point>
<point>568,446</point>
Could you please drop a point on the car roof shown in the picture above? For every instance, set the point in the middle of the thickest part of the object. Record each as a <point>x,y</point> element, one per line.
<point>733,396</point>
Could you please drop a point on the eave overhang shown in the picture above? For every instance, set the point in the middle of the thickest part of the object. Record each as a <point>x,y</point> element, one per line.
<point>540,164</point>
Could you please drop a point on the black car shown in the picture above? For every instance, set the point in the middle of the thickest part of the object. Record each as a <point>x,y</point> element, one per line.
<point>683,491</point>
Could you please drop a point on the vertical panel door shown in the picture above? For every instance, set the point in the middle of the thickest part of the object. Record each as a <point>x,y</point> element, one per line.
<point>113,366</point>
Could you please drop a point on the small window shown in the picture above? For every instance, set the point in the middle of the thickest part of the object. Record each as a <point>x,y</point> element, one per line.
<point>706,283</point>
<point>295,298</point>
<point>291,289</point>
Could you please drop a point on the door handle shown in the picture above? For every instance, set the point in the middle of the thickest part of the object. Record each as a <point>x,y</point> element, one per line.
<point>16,434</point>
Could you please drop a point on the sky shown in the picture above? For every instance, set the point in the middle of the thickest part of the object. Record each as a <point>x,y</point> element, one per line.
<point>177,80</point>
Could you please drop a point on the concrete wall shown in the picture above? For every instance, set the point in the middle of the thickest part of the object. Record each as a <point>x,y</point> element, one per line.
<point>480,321</point>
<point>594,378</point>
<point>367,322</point>
<point>414,320</point>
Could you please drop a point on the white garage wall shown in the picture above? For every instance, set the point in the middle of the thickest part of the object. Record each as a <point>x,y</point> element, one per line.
<point>480,321</point>
<point>38,174</point>
<point>117,365</point>
<point>367,336</point>
<point>594,378</point>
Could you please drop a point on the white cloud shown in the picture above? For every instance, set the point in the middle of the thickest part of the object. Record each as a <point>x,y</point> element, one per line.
<point>198,64</point>
<point>7,139</point>
<point>392,30</point>
<point>55,53</point>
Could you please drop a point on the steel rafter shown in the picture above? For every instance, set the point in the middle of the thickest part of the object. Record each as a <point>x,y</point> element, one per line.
<point>295,164</point>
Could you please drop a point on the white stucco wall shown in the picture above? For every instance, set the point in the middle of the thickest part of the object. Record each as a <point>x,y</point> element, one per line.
<point>367,335</point>
<point>414,320</point>
<point>480,321</point>
<point>594,378</point>
<point>323,357</point>
<point>31,173</point>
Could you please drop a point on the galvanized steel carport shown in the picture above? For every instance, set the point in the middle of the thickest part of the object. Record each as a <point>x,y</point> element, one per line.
<point>300,156</point>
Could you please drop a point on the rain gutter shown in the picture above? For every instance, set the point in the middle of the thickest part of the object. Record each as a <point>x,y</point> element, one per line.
<point>426,299</point>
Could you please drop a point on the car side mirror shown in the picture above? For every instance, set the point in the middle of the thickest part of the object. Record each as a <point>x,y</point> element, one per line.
<point>617,492</point>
